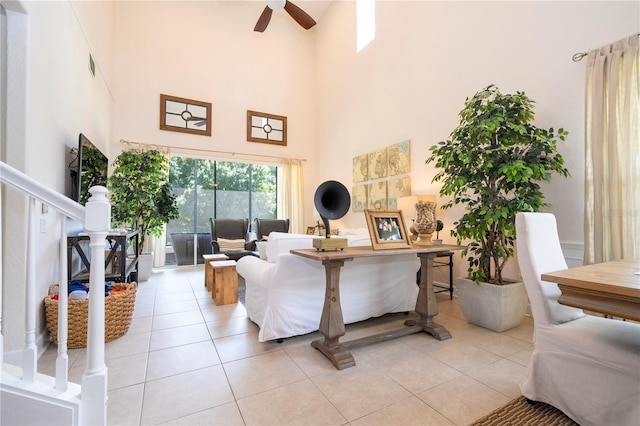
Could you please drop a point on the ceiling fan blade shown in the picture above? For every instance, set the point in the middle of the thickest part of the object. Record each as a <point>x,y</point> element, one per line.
<point>263,20</point>
<point>299,15</point>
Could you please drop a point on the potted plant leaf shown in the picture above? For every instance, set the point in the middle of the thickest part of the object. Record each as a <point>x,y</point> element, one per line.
<point>493,163</point>
<point>141,198</point>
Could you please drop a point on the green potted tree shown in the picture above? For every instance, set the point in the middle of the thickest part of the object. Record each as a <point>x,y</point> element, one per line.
<point>493,163</point>
<point>141,198</point>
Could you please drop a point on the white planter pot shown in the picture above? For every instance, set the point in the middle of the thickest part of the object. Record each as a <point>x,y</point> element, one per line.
<point>496,307</point>
<point>145,264</point>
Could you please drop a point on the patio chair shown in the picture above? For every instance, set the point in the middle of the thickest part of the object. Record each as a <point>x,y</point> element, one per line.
<point>265,226</point>
<point>231,237</point>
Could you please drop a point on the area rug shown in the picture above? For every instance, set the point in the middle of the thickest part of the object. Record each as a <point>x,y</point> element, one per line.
<point>520,412</point>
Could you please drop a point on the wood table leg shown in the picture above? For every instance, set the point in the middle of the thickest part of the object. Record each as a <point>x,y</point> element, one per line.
<point>332,322</point>
<point>426,304</point>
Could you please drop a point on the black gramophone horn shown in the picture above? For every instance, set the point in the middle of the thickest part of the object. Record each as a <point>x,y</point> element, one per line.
<point>332,201</point>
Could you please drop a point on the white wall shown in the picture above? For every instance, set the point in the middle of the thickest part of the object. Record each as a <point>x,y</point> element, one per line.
<point>427,57</point>
<point>208,51</point>
<point>52,98</point>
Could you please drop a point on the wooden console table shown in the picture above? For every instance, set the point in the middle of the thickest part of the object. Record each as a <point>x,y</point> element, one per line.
<point>332,325</point>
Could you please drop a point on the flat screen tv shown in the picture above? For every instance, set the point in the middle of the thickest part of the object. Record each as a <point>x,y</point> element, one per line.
<point>91,170</point>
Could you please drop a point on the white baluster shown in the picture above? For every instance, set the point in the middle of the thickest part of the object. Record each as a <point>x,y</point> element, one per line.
<point>94,382</point>
<point>30,352</point>
<point>62,361</point>
<point>1,287</point>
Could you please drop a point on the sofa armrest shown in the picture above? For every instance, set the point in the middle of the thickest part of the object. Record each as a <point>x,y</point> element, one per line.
<point>254,269</point>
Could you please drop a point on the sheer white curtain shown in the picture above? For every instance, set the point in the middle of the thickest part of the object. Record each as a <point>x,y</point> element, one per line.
<point>291,201</point>
<point>612,133</point>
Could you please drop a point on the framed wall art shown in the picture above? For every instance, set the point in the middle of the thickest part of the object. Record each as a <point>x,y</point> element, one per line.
<point>360,173</point>
<point>185,115</point>
<point>377,164</point>
<point>386,176</point>
<point>266,128</point>
<point>358,198</point>
<point>377,195</point>
<point>397,188</point>
<point>387,229</point>
<point>399,158</point>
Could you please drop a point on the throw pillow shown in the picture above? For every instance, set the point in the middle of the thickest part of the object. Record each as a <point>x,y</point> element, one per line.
<point>230,245</point>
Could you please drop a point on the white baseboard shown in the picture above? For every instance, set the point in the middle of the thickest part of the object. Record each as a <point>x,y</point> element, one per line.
<point>15,357</point>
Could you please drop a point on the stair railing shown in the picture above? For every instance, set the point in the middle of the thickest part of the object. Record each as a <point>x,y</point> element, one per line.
<point>95,217</point>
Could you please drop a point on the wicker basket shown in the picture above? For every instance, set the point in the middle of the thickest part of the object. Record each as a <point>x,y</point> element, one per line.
<point>118,309</point>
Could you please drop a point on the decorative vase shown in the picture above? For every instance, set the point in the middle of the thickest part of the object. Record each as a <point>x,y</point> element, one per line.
<point>425,221</point>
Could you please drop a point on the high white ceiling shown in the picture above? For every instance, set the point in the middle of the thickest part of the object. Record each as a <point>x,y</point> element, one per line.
<point>315,8</point>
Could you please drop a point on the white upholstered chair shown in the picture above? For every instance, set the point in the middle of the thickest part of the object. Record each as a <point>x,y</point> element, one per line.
<point>586,366</point>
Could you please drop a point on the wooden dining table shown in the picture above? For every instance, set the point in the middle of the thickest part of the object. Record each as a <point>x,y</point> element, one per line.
<point>611,288</point>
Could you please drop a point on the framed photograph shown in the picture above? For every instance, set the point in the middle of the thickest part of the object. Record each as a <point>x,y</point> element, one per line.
<point>387,229</point>
<point>266,128</point>
<point>185,115</point>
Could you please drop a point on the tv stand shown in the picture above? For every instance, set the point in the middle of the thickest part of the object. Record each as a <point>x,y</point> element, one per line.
<point>120,266</point>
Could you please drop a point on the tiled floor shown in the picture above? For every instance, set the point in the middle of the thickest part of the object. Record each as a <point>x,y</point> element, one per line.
<point>187,361</point>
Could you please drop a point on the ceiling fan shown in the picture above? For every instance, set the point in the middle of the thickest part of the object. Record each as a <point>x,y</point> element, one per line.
<point>299,15</point>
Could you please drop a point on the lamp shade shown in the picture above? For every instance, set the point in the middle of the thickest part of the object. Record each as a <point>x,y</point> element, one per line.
<point>408,206</point>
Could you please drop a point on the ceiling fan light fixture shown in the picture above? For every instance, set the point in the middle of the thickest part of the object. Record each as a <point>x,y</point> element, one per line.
<point>276,4</point>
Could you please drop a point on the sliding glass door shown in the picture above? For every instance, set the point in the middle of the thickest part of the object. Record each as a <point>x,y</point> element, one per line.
<point>215,189</point>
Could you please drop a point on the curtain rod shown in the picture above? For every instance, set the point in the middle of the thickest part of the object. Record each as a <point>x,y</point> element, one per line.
<point>577,57</point>
<point>152,145</point>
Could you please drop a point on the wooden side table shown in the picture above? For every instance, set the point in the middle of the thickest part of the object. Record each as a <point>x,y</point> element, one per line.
<point>225,282</point>
<point>208,270</point>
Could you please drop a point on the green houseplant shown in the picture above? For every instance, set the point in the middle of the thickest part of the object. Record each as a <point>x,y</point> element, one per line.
<point>140,193</point>
<point>493,163</point>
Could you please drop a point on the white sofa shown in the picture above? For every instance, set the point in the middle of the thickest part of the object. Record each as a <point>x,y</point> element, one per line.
<point>285,293</point>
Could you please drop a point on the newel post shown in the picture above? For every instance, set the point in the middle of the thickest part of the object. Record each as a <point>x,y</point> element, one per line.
<point>93,409</point>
